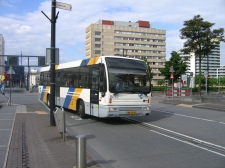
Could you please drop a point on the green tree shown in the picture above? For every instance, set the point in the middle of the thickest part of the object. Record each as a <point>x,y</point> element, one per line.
<point>178,65</point>
<point>149,68</point>
<point>197,79</point>
<point>222,81</point>
<point>160,82</point>
<point>213,82</point>
<point>200,39</point>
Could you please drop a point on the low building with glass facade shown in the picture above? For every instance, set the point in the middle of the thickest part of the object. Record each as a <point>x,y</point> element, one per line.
<point>210,64</point>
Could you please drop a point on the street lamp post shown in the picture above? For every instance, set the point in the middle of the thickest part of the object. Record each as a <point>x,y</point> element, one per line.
<point>172,77</point>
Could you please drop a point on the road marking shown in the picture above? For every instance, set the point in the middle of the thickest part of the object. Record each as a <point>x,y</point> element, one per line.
<point>21,109</point>
<point>3,146</point>
<point>6,129</point>
<point>76,118</point>
<point>188,143</point>
<point>185,105</point>
<point>188,116</point>
<point>189,140</point>
<point>41,112</point>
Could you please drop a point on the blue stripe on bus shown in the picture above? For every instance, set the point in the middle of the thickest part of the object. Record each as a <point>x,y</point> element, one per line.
<point>86,61</point>
<point>42,93</point>
<point>68,98</point>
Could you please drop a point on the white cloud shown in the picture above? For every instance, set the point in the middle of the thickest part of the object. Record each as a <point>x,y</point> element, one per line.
<point>30,32</point>
<point>23,29</point>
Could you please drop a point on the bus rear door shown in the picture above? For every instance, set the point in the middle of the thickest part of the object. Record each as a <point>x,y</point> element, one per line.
<point>94,89</point>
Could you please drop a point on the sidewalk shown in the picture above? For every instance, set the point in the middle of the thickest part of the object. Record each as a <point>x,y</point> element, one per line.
<point>36,144</point>
<point>211,102</point>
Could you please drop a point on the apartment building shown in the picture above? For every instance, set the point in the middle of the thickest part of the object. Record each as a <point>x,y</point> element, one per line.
<point>131,39</point>
<point>2,52</point>
<point>210,64</point>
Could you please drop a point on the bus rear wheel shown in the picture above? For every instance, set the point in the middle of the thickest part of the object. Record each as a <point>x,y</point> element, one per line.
<point>81,109</point>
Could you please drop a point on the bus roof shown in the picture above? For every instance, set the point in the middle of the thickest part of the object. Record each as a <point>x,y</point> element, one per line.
<point>87,61</point>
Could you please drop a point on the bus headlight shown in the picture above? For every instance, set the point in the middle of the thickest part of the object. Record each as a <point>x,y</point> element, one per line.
<point>146,108</point>
<point>113,109</point>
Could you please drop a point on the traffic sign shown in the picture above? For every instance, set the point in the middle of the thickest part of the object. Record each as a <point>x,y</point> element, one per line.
<point>171,69</point>
<point>171,76</point>
<point>65,6</point>
<point>206,73</point>
<point>10,71</point>
<point>208,77</point>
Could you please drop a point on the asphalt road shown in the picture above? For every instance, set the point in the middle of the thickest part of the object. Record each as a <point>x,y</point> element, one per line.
<point>121,143</point>
<point>118,143</point>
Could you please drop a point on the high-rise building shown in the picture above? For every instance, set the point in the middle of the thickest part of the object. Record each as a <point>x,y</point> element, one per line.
<point>2,52</point>
<point>209,64</point>
<point>132,39</point>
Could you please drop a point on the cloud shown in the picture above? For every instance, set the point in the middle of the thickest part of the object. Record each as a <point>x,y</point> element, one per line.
<point>23,29</point>
<point>30,32</point>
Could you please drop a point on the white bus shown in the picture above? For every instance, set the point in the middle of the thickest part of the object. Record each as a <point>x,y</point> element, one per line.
<point>104,86</point>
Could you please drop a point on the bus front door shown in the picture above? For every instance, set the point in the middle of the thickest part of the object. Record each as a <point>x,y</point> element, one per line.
<point>94,95</point>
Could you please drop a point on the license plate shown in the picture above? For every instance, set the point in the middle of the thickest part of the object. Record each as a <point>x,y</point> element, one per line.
<point>131,112</point>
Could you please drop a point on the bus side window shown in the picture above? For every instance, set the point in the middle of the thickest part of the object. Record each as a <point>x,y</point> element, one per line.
<point>84,77</point>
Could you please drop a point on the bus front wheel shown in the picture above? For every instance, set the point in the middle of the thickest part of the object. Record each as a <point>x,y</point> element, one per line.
<point>81,109</point>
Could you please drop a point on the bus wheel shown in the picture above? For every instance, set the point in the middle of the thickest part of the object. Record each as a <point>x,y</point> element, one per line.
<point>81,109</point>
<point>48,101</point>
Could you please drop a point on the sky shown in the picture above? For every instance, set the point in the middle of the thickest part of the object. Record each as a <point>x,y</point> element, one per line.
<point>26,30</point>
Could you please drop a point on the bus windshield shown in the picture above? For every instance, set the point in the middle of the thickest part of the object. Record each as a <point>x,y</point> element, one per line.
<point>128,76</point>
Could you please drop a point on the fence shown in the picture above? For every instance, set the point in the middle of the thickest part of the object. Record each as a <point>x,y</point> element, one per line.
<point>177,93</point>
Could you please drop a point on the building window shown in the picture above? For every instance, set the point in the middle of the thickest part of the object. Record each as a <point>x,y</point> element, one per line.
<point>97,33</point>
<point>97,52</point>
<point>97,39</point>
<point>97,45</point>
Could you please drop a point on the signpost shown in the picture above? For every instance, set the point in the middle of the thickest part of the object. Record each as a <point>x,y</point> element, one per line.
<point>10,72</point>
<point>53,55</point>
<point>65,6</point>
<point>206,81</point>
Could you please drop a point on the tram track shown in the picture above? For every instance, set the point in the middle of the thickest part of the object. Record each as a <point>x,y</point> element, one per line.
<point>181,137</point>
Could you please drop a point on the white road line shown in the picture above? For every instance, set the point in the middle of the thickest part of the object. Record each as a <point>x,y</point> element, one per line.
<point>10,113</point>
<point>188,143</point>
<point>188,116</point>
<point>6,129</point>
<point>182,135</point>
<point>3,146</point>
<point>189,137</point>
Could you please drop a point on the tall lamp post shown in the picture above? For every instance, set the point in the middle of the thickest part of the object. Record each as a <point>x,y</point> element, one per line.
<point>172,77</point>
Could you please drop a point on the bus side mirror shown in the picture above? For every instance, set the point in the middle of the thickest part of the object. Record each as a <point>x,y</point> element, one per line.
<point>151,87</point>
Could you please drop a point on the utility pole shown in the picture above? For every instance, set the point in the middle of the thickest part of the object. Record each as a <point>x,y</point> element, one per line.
<point>207,81</point>
<point>52,62</point>
<point>52,66</point>
<point>53,55</point>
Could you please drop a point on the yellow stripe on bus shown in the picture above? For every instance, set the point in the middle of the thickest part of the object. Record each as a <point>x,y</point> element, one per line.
<point>93,60</point>
<point>46,93</point>
<point>76,95</point>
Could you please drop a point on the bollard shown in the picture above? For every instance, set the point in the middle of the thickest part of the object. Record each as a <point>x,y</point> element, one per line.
<point>81,151</point>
